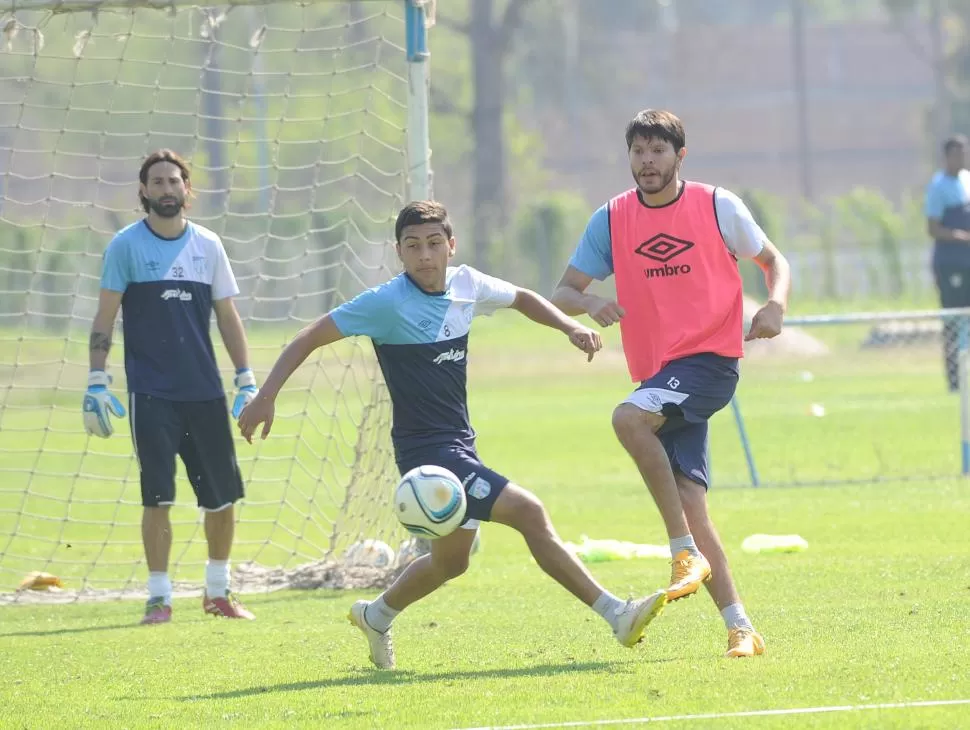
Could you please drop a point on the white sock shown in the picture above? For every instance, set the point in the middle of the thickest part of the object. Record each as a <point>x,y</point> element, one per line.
<point>735,617</point>
<point>683,543</point>
<point>216,578</point>
<point>160,586</point>
<point>379,615</point>
<point>607,606</point>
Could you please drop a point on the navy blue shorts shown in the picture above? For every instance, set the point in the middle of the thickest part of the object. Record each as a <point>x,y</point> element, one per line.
<point>688,392</point>
<point>482,485</point>
<point>199,433</point>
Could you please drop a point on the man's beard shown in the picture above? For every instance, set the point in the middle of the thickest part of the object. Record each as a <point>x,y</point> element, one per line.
<point>166,207</point>
<point>664,182</point>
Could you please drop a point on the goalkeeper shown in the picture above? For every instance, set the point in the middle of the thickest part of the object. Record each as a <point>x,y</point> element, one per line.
<point>167,274</point>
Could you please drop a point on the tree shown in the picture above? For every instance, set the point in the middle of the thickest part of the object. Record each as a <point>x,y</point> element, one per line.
<point>950,62</point>
<point>490,35</point>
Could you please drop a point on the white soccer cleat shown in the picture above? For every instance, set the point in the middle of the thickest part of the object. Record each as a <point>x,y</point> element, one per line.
<point>632,619</point>
<point>381,646</point>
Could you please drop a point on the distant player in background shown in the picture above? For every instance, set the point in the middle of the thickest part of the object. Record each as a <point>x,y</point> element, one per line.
<point>167,274</point>
<point>947,210</point>
<point>673,248</point>
<point>419,323</point>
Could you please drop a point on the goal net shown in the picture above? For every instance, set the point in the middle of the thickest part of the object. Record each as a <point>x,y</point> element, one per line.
<point>294,118</point>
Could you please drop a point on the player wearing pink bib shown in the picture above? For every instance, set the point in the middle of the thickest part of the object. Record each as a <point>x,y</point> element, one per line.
<point>672,246</point>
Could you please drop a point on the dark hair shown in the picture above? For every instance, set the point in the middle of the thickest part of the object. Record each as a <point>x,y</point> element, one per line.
<point>163,155</point>
<point>656,124</point>
<point>422,211</point>
<point>957,140</point>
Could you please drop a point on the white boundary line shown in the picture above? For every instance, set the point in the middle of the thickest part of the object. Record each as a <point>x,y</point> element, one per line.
<point>724,715</point>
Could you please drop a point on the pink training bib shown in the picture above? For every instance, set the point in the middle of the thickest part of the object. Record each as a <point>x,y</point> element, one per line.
<point>676,279</point>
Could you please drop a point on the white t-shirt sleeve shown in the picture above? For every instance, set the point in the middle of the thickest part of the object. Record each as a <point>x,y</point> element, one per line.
<point>742,234</point>
<point>491,293</point>
<point>223,280</point>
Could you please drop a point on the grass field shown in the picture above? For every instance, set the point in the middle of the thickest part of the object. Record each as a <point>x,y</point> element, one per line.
<point>873,613</point>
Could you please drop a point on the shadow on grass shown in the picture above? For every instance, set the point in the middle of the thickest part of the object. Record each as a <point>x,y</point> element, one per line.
<point>291,595</point>
<point>397,677</point>
<point>90,629</point>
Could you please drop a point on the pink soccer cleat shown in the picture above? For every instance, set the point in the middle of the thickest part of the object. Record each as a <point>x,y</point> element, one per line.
<point>227,606</point>
<point>156,612</point>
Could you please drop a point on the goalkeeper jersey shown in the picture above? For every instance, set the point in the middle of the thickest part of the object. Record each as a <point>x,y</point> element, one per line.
<point>169,286</point>
<point>421,341</point>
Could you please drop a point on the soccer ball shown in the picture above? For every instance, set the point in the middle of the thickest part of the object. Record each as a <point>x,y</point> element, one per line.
<point>429,502</point>
<point>370,553</point>
<point>408,553</point>
<point>410,550</point>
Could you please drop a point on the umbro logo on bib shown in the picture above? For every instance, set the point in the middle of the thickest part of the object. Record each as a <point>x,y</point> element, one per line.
<point>663,248</point>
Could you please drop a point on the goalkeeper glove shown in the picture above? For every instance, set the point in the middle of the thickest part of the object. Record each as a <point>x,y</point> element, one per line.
<point>98,403</point>
<point>245,383</point>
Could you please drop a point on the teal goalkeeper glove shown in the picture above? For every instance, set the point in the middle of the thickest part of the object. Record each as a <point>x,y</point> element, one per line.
<point>98,403</point>
<point>245,383</point>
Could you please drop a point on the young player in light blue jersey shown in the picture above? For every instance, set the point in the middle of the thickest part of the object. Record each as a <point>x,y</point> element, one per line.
<point>419,323</point>
<point>947,208</point>
<point>167,274</point>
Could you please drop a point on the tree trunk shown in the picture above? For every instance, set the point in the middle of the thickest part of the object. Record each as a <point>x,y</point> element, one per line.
<point>488,192</point>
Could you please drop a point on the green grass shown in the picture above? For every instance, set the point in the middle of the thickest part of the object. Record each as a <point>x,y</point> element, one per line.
<point>874,612</point>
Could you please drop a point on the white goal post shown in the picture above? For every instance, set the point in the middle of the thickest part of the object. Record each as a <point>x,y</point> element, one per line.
<point>306,127</point>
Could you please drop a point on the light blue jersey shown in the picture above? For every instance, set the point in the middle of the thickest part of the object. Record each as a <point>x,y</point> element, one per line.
<point>948,201</point>
<point>421,341</point>
<point>169,286</point>
<point>946,192</point>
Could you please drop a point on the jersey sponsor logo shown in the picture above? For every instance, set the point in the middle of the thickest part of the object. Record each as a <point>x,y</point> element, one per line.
<point>182,296</point>
<point>452,355</point>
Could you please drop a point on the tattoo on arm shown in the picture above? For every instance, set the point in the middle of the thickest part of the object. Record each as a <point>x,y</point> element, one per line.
<point>100,342</point>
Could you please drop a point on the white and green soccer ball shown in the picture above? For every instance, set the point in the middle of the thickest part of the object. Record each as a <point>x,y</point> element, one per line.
<point>430,502</point>
<point>412,549</point>
<point>370,553</point>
